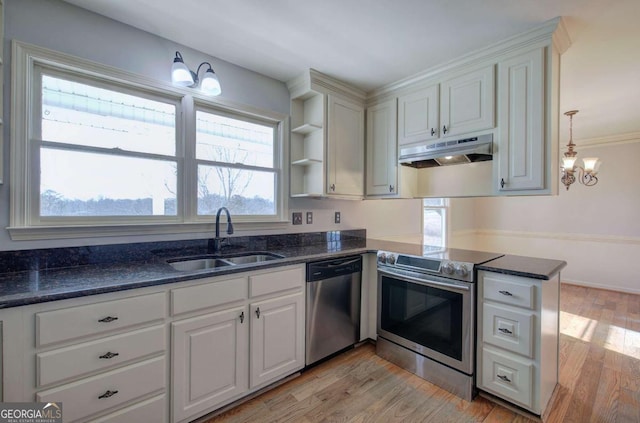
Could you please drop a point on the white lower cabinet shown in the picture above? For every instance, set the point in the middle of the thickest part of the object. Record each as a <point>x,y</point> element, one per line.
<point>277,338</point>
<point>108,357</point>
<point>251,341</point>
<point>517,348</point>
<point>209,357</point>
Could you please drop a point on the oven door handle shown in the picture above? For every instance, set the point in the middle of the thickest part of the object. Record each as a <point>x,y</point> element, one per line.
<point>425,282</point>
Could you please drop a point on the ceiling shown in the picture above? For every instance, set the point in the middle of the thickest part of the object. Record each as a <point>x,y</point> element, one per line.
<point>362,42</point>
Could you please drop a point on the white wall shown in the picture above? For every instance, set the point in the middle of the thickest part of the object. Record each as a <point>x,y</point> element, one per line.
<point>595,229</point>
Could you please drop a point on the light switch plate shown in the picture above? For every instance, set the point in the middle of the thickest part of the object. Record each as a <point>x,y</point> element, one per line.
<point>337,217</point>
<point>297,218</point>
<point>309,218</point>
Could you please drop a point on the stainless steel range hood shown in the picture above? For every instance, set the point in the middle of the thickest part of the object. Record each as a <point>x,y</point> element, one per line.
<point>467,150</point>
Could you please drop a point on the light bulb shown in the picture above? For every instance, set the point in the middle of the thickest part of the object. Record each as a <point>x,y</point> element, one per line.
<point>210,83</point>
<point>568,162</point>
<point>591,164</point>
<point>180,74</point>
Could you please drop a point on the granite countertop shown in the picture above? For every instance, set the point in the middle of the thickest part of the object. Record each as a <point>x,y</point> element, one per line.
<point>36,286</point>
<point>528,267</point>
<point>35,276</point>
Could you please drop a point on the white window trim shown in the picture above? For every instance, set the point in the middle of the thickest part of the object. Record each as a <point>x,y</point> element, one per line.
<point>24,58</point>
<point>446,230</point>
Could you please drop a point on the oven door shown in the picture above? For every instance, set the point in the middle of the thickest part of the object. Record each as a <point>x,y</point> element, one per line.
<point>430,315</point>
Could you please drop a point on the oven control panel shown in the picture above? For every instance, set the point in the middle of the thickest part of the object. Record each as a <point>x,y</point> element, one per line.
<point>442,267</point>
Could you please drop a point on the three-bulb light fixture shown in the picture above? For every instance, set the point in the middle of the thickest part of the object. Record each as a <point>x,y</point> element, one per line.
<point>181,75</point>
<point>585,174</point>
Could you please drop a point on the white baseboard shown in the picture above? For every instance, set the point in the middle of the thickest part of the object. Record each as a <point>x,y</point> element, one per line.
<point>601,286</point>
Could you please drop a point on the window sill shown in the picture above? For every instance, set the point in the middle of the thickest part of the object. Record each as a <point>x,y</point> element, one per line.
<point>34,233</point>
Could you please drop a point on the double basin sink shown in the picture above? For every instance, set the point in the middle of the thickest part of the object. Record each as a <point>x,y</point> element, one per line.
<point>192,264</point>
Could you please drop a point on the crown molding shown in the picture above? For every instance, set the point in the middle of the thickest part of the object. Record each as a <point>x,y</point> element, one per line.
<point>552,32</point>
<point>609,140</point>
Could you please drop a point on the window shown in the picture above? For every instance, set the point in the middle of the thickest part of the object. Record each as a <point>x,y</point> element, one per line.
<point>435,221</point>
<point>236,165</point>
<point>102,152</point>
<point>98,151</point>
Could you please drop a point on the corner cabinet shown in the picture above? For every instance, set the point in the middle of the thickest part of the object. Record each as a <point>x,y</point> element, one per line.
<point>382,149</point>
<point>521,153</point>
<point>327,138</point>
<point>517,348</point>
<point>345,147</point>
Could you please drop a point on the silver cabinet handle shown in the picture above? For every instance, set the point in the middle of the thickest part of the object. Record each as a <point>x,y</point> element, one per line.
<point>108,319</point>
<point>332,187</point>
<point>107,394</point>
<point>504,378</point>
<point>444,129</point>
<point>433,132</point>
<point>501,182</point>
<point>258,312</point>
<point>242,317</point>
<point>390,188</point>
<point>506,293</point>
<point>505,330</point>
<point>109,355</point>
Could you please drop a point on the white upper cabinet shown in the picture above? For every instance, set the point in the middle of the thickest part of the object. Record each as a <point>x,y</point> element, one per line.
<point>382,149</point>
<point>467,103</point>
<point>327,137</point>
<point>521,153</point>
<point>345,147</point>
<point>461,105</point>
<point>418,115</point>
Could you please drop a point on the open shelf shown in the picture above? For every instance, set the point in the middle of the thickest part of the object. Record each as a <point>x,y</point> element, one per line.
<point>306,128</point>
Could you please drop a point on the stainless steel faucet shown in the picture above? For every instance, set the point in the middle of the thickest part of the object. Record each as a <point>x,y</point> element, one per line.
<point>215,247</point>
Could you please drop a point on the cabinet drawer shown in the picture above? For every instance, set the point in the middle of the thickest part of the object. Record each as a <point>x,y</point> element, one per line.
<point>99,393</point>
<point>508,329</point>
<point>151,410</point>
<point>276,281</point>
<point>519,292</point>
<point>77,360</point>
<point>92,319</point>
<point>214,293</point>
<point>508,376</point>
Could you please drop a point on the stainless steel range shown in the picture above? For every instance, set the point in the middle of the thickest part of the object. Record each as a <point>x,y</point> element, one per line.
<point>426,314</point>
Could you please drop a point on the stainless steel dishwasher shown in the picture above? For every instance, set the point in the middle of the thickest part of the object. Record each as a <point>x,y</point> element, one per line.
<point>333,306</point>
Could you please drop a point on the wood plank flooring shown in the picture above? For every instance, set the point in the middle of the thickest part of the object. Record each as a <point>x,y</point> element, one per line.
<point>599,378</point>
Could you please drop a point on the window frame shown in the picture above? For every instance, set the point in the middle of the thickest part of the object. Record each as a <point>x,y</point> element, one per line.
<point>278,163</point>
<point>445,209</point>
<point>24,220</point>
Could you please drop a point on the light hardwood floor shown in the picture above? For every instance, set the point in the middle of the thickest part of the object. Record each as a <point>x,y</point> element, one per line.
<point>599,378</point>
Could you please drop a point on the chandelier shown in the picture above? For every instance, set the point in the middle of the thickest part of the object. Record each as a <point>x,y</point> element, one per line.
<point>585,174</point>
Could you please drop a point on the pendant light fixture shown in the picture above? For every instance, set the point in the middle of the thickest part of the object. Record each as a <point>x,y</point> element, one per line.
<point>182,76</point>
<point>586,174</point>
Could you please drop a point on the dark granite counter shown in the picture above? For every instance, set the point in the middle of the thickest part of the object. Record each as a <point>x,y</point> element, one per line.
<point>35,276</point>
<point>101,269</point>
<point>528,267</point>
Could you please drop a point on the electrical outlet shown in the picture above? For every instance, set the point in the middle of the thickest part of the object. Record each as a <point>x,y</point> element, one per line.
<point>309,218</point>
<point>337,217</point>
<point>297,218</point>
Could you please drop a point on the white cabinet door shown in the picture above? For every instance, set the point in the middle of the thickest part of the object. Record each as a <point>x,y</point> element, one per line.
<point>521,142</point>
<point>345,147</point>
<point>382,149</point>
<point>467,103</point>
<point>418,115</point>
<point>210,361</point>
<point>277,338</point>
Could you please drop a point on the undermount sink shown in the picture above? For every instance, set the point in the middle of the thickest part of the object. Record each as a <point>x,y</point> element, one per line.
<point>191,264</point>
